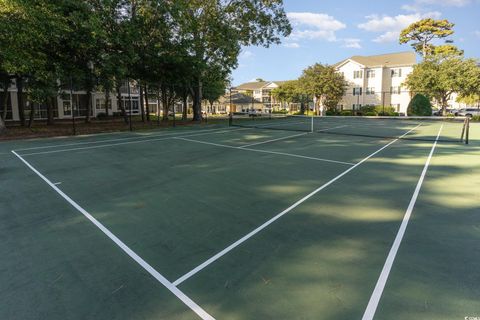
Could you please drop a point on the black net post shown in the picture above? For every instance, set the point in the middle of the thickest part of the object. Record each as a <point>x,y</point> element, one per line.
<point>230,119</point>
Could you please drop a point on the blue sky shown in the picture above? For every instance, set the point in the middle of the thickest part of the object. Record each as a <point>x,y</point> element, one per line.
<point>328,31</point>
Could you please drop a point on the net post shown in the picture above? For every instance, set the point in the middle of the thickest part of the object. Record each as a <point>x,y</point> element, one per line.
<point>463,130</point>
<point>311,124</point>
<point>467,130</point>
<point>230,119</point>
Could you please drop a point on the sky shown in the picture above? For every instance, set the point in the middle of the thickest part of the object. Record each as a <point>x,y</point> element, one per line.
<point>328,31</point>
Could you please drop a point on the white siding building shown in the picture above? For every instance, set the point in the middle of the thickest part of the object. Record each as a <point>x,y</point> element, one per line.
<point>377,80</point>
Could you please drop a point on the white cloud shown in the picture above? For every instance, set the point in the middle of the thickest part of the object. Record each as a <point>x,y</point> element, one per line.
<point>352,43</point>
<point>293,45</point>
<point>477,33</point>
<point>391,26</point>
<point>308,25</point>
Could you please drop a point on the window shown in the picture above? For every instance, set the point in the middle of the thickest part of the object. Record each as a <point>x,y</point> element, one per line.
<point>396,73</point>
<point>395,90</point>
<point>357,91</point>
<point>257,92</point>
<point>358,74</point>
<point>370,90</point>
<point>100,104</point>
<point>356,106</point>
<point>67,108</point>
<point>370,73</point>
<point>341,73</point>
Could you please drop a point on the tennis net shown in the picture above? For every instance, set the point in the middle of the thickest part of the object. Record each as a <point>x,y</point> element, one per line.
<point>418,128</point>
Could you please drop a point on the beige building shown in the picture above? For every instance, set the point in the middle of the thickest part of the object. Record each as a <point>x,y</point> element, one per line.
<point>377,80</point>
<point>261,94</point>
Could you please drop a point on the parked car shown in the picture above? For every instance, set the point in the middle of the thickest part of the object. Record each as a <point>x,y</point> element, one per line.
<point>468,112</point>
<point>439,112</point>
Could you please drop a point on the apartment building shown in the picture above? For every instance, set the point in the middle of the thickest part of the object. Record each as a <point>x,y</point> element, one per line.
<point>377,80</point>
<point>261,94</point>
<point>76,98</point>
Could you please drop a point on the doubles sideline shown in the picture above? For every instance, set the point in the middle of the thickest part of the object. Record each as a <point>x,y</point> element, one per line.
<point>382,280</point>
<point>279,215</point>
<point>147,267</point>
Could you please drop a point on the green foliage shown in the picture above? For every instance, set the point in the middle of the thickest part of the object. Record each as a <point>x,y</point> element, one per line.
<point>419,106</point>
<point>178,48</point>
<point>371,110</point>
<point>346,113</point>
<point>475,118</point>
<point>325,83</point>
<point>439,77</point>
<point>422,32</point>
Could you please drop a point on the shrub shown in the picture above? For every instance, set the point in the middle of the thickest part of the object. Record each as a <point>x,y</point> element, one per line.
<point>346,113</point>
<point>332,113</point>
<point>370,114</point>
<point>475,118</point>
<point>283,111</point>
<point>367,109</point>
<point>419,106</point>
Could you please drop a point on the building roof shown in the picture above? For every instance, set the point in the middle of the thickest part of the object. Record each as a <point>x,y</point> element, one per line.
<point>384,60</point>
<point>239,98</point>
<point>252,85</point>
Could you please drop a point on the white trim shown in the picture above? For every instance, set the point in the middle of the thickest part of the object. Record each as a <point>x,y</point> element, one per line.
<point>382,280</point>
<point>279,215</point>
<point>160,278</point>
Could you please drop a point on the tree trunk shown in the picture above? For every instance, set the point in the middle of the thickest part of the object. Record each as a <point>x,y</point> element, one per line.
<point>107,101</point>
<point>302,107</point>
<point>32,115</point>
<point>120,106</point>
<point>142,105</point>
<point>5,99</point>
<point>49,111</point>
<point>147,107</point>
<point>197,102</point>
<point>21,103</point>
<point>3,116</point>
<point>89,105</point>
<point>164,103</point>
<point>185,106</point>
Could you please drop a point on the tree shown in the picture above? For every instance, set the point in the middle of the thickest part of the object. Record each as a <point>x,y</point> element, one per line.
<point>439,77</point>
<point>215,30</point>
<point>470,99</point>
<point>325,84</point>
<point>419,106</point>
<point>422,32</point>
<point>291,92</point>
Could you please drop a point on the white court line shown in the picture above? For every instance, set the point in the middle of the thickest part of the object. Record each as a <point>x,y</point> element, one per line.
<point>179,294</point>
<point>265,151</point>
<point>382,280</point>
<point>332,128</point>
<point>110,140</point>
<point>273,140</point>
<point>124,143</point>
<point>279,215</point>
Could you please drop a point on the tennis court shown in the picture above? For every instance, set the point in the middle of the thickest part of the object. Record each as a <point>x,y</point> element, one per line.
<point>336,219</point>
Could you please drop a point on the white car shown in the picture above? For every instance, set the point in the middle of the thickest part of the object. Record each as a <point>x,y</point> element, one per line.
<point>468,112</point>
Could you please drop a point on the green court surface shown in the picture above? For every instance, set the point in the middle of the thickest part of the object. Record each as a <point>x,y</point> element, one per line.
<point>242,223</point>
